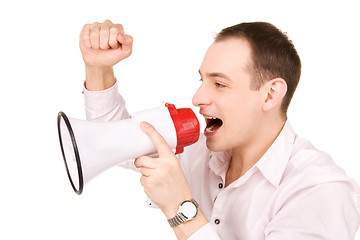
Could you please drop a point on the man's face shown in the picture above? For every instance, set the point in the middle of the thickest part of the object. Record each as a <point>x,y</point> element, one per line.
<point>231,109</point>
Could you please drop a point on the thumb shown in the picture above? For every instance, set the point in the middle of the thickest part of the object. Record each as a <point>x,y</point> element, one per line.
<point>159,142</point>
<point>126,42</point>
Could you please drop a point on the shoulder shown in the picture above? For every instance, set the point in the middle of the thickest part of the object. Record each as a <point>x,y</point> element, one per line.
<point>313,190</point>
<point>311,172</point>
<point>316,166</point>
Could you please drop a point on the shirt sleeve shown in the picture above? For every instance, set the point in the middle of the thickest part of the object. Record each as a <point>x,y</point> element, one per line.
<point>327,211</point>
<point>206,232</point>
<point>106,105</point>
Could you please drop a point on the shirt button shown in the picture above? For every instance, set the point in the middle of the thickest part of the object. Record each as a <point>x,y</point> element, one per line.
<point>217,221</point>
<point>221,185</point>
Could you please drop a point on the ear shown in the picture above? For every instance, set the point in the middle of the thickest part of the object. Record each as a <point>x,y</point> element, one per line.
<point>274,92</point>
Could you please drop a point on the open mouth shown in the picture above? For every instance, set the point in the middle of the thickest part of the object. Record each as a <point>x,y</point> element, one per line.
<point>212,124</point>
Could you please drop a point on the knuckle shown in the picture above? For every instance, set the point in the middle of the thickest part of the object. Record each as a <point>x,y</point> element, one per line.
<point>104,32</point>
<point>114,31</point>
<point>87,26</point>
<point>85,38</point>
<point>94,36</point>
<point>95,25</point>
<point>119,27</point>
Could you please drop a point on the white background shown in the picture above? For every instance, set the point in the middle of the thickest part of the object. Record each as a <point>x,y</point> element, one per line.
<point>42,73</point>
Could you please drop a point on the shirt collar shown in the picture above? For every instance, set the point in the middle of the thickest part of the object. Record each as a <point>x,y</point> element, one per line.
<point>219,162</point>
<point>272,164</point>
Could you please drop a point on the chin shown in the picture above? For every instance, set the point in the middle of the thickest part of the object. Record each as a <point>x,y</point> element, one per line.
<point>213,146</point>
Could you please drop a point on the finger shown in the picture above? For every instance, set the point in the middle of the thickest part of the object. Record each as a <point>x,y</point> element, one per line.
<point>95,35</point>
<point>127,48</point>
<point>146,172</point>
<point>104,35</point>
<point>129,41</point>
<point>160,143</point>
<point>144,181</point>
<point>145,162</point>
<point>115,30</point>
<point>126,42</point>
<point>85,36</point>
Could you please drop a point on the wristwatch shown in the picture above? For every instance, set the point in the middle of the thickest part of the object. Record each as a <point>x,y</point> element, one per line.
<point>187,211</point>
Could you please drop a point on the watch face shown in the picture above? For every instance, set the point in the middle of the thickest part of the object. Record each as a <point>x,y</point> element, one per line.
<point>188,209</point>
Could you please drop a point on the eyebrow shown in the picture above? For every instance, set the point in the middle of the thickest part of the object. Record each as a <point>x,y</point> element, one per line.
<point>217,74</point>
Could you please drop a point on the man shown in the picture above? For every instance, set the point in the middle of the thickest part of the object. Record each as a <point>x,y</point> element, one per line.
<point>249,176</point>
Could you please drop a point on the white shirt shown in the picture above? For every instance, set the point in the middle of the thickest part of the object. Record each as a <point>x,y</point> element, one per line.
<point>294,192</point>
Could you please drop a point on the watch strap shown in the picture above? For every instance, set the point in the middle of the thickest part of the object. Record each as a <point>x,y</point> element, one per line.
<point>179,217</point>
<point>177,220</point>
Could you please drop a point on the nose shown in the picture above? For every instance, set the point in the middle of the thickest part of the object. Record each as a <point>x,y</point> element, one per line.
<point>201,97</point>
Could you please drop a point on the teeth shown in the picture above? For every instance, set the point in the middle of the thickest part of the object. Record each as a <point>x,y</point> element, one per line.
<point>206,117</point>
<point>210,129</point>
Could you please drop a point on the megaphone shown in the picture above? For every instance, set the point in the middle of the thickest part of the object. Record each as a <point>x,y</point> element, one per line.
<point>90,147</point>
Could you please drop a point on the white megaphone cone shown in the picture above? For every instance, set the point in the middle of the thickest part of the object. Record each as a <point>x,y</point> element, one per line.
<point>90,148</point>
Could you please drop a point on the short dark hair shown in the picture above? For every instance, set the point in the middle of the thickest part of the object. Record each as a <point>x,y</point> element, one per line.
<point>273,55</point>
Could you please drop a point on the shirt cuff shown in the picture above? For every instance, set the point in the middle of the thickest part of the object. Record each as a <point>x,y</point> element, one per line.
<point>205,232</point>
<point>96,101</point>
<point>105,105</point>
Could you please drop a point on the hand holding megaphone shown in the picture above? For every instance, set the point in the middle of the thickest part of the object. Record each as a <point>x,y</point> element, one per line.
<point>90,148</point>
<point>163,179</point>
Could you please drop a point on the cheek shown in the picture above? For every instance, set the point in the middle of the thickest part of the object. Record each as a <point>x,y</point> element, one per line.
<point>242,116</point>
<point>245,106</point>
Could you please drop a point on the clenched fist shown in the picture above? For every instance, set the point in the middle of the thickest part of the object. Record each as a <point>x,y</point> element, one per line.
<point>104,44</point>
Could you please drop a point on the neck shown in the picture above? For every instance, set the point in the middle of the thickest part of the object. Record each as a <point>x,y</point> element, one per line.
<point>246,156</point>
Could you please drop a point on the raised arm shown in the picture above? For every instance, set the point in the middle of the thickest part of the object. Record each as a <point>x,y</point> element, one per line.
<point>102,46</point>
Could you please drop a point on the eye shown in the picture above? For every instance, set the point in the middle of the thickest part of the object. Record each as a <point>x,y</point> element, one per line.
<point>219,85</point>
